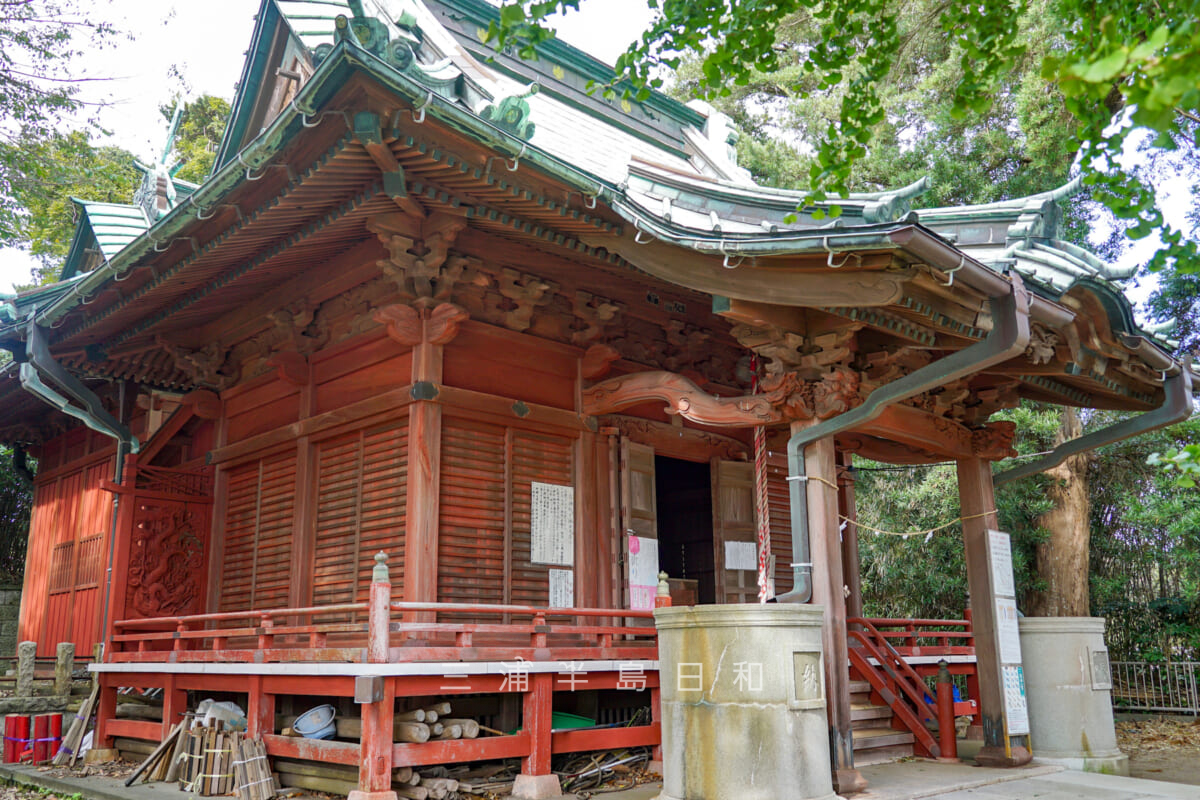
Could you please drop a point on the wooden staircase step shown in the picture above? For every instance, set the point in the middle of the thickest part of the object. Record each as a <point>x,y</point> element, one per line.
<point>880,745</point>
<point>868,738</point>
<point>865,715</point>
<point>858,687</point>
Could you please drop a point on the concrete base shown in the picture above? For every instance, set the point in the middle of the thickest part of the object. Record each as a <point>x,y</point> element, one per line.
<point>1112,765</point>
<point>1067,680</point>
<point>991,756</point>
<point>535,787</point>
<point>96,756</point>
<point>743,703</point>
<point>361,795</point>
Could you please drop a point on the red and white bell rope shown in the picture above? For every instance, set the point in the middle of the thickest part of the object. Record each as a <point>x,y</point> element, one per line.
<point>761,507</point>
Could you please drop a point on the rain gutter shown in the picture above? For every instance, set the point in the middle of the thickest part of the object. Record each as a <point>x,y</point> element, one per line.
<point>1176,407</point>
<point>1008,337</point>
<point>92,414</point>
<point>918,242</point>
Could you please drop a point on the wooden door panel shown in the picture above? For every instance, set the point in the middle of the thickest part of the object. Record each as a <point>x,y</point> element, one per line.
<point>639,518</point>
<point>734,531</point>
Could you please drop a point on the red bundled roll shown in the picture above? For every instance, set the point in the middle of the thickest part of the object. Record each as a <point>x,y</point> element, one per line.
<point>55,734</point>
<point>20,738</point>
<point>41,738</point>
<point>10,739</point>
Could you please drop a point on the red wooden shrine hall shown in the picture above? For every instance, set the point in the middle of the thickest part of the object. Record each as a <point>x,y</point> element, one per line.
<point>445,305</point>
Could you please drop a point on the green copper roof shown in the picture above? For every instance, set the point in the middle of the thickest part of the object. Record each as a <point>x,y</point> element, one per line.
<point>1021,234</point>
<point>102,231</point>
<point>312,20</point>
<point>113,225</point>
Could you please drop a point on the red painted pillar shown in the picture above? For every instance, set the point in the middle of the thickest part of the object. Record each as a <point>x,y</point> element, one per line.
<point>538,720</point>
<point>105,713</point>
<point>174,705</point>
<point>656,717</point>
<point>947,735</point>
<point>260,716</point>
<point>375,749</point>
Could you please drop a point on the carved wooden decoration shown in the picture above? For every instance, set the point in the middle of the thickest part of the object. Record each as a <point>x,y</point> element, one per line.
<point>295,330</point>
<point>787,351</point>
<point>682,396</point>
<point>985,402</point>
<point>595,313</point>
<point>166,561</point>
<point>685,345</point>
<point>597,361</point>
<point>524,293</point>
<point>412,326</point>
<point>1042,344</point>
<point>994,441</point>
<point>797,399</point>
<point>418,250</point>
<point>403,323</point>
<point>209,366</point>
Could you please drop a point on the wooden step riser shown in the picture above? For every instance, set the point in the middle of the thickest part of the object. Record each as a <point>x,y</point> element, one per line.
<point>881,755</point>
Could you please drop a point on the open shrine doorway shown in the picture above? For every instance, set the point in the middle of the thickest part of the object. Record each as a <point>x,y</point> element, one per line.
<point>683,492</point>
<point>692,518</point>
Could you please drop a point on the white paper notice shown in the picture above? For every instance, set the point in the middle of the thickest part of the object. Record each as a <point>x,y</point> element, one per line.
<point>1016,706</point>
<point>1008,633</point>
<point>552,524</point>
<point>1000,552</point>
<point>562,588</point>
<point>643,572</point>
<point>741,555</point>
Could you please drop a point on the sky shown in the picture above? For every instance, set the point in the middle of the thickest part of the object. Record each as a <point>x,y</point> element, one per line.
<point>197,47</point>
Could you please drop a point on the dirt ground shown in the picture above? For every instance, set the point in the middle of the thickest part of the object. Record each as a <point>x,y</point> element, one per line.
<point>1162,749</point>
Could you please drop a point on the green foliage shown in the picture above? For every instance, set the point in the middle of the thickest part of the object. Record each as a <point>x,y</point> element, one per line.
<point>38,176</point>
<point>924,575</point>
<point>1101,60</point>
<point>39,39</point>
<point>1185,461</point>
<point>16,501</point>
<point>198,136</point>
<point>1177,299</point>
<point>1145,547</point>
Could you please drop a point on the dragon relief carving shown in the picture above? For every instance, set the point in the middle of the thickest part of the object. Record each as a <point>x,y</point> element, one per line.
<point>994,440</point>
<point>798,399</point>
<point>208,366</point>
<point>166,561</point>
<point>1042,344</point>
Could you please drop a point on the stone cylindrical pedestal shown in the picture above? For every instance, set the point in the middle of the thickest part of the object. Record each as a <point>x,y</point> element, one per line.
<point>743,703</point>
<point>1068,683</point>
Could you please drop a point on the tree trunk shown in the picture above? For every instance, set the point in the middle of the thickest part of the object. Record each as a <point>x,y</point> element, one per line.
<point>1061,561</point>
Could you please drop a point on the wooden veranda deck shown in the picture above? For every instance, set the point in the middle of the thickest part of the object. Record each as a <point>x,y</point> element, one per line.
<point>377,652</point>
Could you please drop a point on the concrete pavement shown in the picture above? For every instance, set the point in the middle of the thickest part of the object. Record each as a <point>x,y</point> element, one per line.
<point>907,780</point>
<point>917,780</point>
